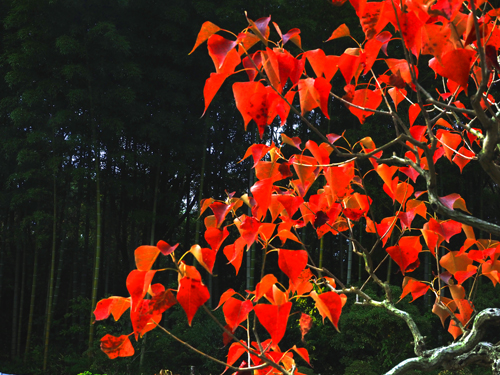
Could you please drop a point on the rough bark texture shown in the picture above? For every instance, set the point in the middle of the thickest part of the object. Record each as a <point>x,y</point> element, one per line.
<point>468,350</point>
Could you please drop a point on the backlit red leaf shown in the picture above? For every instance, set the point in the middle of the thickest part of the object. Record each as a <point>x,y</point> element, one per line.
<point>117,346</point>
<point>367,99</point>
<point>191,295</point>
<point>416,288</point>
<point>236,311</point>
<point>165,248</point>
<point>292,262</point>
<point>138,283</point>
<point>405,254</point>
<point>329,305</point>
<point>112,305</point>
<point>274,319</point>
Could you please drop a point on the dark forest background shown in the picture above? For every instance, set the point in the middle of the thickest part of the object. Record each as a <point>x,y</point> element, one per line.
<point>102,149</point>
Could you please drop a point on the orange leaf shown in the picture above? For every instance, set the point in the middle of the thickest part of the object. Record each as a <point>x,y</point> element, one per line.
<point>340,32</point>
<point>453,262</point>
<point>207,30</point>
<point>145,257</point>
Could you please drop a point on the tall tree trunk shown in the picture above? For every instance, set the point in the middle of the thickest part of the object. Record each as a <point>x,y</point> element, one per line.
<point>349,264</point>
<point>15,305</point>
<point>32,304</point>
<point>21,305</point>
<point>152,243</point>
<point>97,166</point>
<point>97,259</point>
<point>51,281</point>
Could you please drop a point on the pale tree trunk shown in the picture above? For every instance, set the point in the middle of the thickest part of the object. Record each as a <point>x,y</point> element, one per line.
<point>15,305</point>
<point>51,282</point>
<point>21,305</point>
<point>152,243</point>
<point>32,303</point>
<point>349,263</point>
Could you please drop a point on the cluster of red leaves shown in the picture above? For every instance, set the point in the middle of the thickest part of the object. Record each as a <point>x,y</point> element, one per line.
<point>283,198</point>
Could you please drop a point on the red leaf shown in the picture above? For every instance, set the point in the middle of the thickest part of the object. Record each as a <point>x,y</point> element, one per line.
<point>456,65</point>
<point>165,248</point>
<point>397,95</point>
<point>304,354</point>
<point>218,49</point>
<point>234,253</point>
<point>261,191</point>
<point>384,229</point>
<point>292,35</point>
<point>305,324</point>
<point>329,305</point>
<point>215,237</point>
<point>162,301</point>
<point>405,254</point>
<point>248,228</point>
<point>220,211</point>
<point>117,346</point>
<point>292,262</point>
<point>191,295</point>
<point>141,316</point>
<point>236,311</point>
<point>450,141</point>
<point>274,319</point>
<point>225,296</point>
<point>453,201</point>
<point>112,305</point>
<point>138,283</point>
<point>205,256</point>
<point>264,286</point>
<point>302,284</point>
<point>367,99</point>
<point>339,179</point>
<point>463,157</point>
<point>416,288</point>
<point>235,352</point>
<point>314,93</point>
<point>413,113</point>
<point>447,228</point>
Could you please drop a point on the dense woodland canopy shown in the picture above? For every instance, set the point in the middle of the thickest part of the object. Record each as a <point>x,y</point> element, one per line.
<point>103,149</point>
